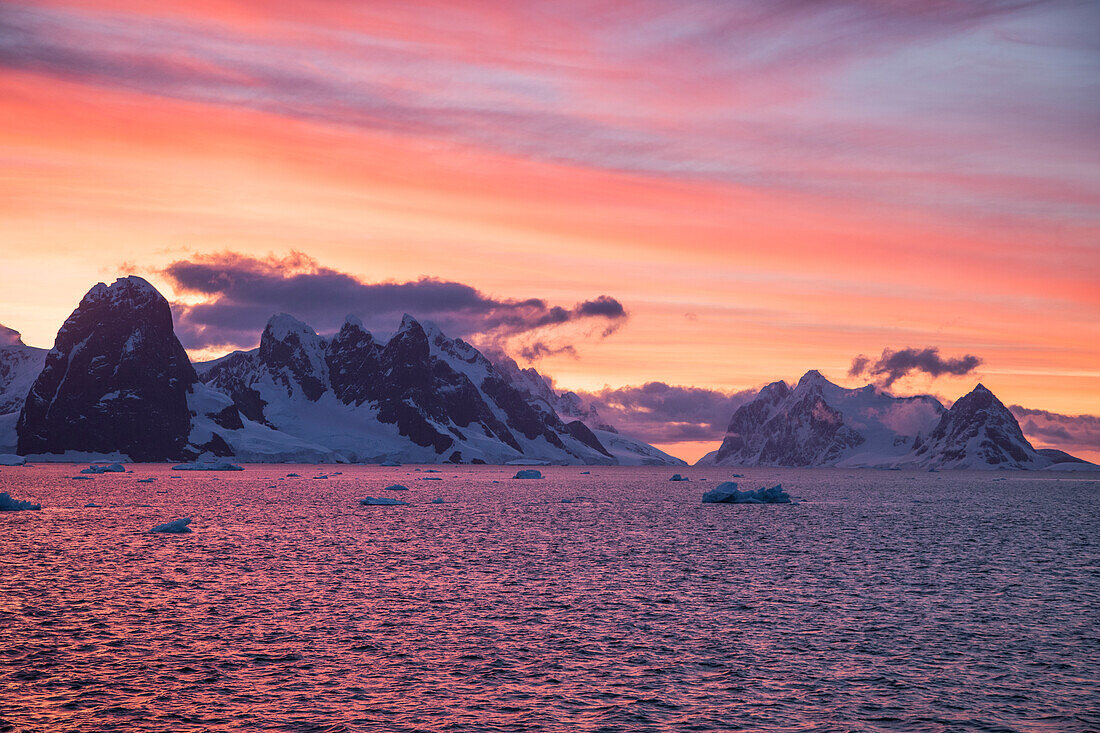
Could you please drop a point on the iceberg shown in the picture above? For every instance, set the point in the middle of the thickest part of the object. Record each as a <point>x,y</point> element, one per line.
<point>8,504</point>
<point>93,505</point>
<point>208,466</point>
<point>429,478</point>
<point>100,468</point>
<point>528,473</point>
<point>727,493</point>
<point>382,501</point>
<point>678,477</point>
<point>438,501</point>
<point>146,480</point>
<point>397,487</point>
<point>176,526</point>
<point>8,459</point>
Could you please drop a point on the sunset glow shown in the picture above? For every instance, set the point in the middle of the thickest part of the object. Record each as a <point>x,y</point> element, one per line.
<point>764,191</point>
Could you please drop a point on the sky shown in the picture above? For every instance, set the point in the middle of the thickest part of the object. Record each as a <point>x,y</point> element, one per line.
<point>701,195</point>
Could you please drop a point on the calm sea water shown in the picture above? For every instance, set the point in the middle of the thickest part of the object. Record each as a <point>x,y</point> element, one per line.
<point>885,601</point>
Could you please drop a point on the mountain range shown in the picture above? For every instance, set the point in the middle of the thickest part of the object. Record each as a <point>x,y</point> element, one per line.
<point>118,383</point>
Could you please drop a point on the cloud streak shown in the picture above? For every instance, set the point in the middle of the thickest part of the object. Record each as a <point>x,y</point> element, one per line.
<point>892,365</point>
<point>1071,433</point>
<point>239,293</point>
<point>664,413</point>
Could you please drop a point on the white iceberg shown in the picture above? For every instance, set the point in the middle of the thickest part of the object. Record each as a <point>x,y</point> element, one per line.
<point>208,466</point>
<point>678,477</point>
<point>149,480</point>
<point>8,504</point>
<point>176,526</point>
<point>382,501</point>
<point>397,487</point>
<point>9,459</point>
<point>528,473</point>
<point>727,493</point>
<point>429,478</point>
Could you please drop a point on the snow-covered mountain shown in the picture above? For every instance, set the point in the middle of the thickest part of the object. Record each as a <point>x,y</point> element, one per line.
<point>19,367</point>
<point>977,432</point>
<point>570,407</point>
<point>818,423</point>
<point>417,396</point>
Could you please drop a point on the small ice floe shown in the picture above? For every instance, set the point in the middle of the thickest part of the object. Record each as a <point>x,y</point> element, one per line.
<point>101,468</point>
<point>382,501</point>
<point>9,459</point>
<point>149,480</point>
<point>176,526</point>
<point>93,505</point>
<point>528,473</point>
<point>390,464</point>
<point>566,501</point>
<point>321,476</point>
<point>727,493</point>
<point>293,475</point>
<point>208,466</point>
<point>397,487</point>
<point>678,477</point>
<point>82,478</point>
<point>429,478</point>
<point>585,473</point>
<point>438,501</point>
<point>8,504</point>
<point>738,475</point>
<point>432,470</point>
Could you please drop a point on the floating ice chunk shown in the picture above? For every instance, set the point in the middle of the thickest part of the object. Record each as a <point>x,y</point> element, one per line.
<point>432,470</point>
<point>397,487</point>
<point>8,459</point>
<point>566,501</point>
<point>101,468</point>
<point>321,476</point>
<point>585,473</point>
<point>8,504</point>
<point>430,478</point>
<point>83,478</point>
<point>208,466</point>
<point>438,501</point>
<point>176,526</point>
<point>727,493</point>
<point>149,480</point>
<point>293,475</point>
<point>382,501</point>
<point>93,505</point>
<point>528,473</point>
<point>678,477</point>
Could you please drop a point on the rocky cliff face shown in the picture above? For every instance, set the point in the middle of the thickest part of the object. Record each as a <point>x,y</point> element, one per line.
<point>977,432</point>
<point>116,380</point>
<point>20,365</point>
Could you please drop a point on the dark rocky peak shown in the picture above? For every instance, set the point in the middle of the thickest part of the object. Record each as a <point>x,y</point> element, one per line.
<point>979,430</point>
<point>294,356</point>
<point>354,363</point>
<point>116,379</point>
<point>773,393</point>
<point>409,342</point>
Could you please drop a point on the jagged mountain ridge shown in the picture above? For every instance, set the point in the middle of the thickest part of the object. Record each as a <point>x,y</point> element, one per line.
<point>20,365</point>
<point>818,423</point>
<point>417,395</point>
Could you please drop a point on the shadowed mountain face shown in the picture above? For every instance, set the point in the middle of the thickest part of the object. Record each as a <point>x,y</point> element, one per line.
<point>116,379</point>
<point>439,394</point>
<point>979,431</point>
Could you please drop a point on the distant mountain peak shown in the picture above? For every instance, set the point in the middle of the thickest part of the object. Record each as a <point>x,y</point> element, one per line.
<point>10,337</point>
<point>281,325</point>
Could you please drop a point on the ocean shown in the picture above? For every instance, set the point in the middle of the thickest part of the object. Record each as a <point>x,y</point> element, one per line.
<point>605,601</point>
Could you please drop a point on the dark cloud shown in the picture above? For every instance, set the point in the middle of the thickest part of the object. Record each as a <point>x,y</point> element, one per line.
<point>893,365</point>
<point>1071,433</point>
<point>660,412</point>
<point>242,292</point>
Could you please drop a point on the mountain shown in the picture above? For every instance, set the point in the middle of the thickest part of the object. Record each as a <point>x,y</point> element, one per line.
<point>977,432</point>
<point>417,396</point>
<point>818,423</point>
<point>19,367</point>
<point>569,406</point>
<point>116,380</point>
